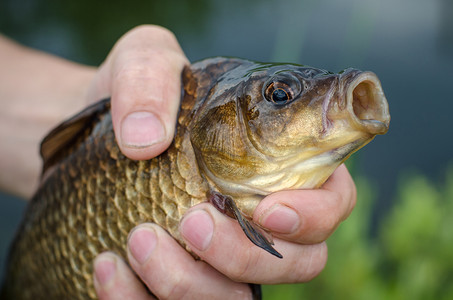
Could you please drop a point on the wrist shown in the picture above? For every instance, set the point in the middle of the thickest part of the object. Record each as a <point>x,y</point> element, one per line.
<point>37,91</point>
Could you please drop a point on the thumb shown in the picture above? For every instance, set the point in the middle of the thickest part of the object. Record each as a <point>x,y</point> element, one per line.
<point>142,74</point>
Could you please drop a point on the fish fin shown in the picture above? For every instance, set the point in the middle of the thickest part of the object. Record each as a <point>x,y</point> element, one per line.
<point>57,142</point>
<point>256,291</point>
<point>253,231</point>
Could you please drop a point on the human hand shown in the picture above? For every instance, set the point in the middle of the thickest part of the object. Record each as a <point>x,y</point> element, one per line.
<point>300,221</point>
<point>142,73</point>
<point>228,259</point>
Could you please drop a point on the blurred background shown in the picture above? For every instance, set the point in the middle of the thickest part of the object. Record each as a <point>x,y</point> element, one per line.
<point>398,243</point>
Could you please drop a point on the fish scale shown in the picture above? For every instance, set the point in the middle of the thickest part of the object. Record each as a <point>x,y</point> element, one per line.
<point>141,191</point>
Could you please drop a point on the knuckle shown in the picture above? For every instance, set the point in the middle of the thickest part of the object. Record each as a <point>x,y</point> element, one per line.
<point>177,287</point>
<point>322,220</point>
<point>129,70</point>
<point>152,30</point>
<point>326,227</point>
<point>242,268</point>
<point>352,199</point>
<point>145,66</point>
<point>304,270</point>
<point>332,216</point>
<point>177,292</point>
<point>349,196</point>
<point>132,70</point>
<point>329,225</point>
<point>237,270</point>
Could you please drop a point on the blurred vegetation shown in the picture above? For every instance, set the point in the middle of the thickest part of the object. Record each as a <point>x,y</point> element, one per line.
<point>84,31</point>
<point>409,257</point>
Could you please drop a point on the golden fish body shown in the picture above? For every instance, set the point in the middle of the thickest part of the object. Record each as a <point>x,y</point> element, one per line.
<point>244,130</point>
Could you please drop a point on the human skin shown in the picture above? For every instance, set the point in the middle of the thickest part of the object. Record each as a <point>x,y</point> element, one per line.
<point>142,76</point>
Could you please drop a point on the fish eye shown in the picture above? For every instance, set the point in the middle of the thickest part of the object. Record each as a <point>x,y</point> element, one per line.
<point>279,93</point>
<point>282,90</point>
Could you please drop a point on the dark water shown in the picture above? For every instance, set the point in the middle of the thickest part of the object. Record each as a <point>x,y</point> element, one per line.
<point>409,44</point>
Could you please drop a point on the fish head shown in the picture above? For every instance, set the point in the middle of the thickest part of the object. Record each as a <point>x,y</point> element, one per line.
<point>261,128</point>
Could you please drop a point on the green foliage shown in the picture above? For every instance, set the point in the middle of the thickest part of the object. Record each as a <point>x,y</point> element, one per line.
<point>410,256</point>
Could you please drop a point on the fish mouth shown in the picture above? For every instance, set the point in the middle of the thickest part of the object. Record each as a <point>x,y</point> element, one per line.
<point>366,103</point>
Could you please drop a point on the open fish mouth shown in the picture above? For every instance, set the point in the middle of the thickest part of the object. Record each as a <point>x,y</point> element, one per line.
<point>366,103</point>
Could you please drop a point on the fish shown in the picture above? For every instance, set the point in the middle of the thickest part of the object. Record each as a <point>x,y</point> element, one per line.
<point>244,130</point>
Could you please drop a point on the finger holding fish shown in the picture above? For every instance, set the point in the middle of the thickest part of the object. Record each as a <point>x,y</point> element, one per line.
<point>308,216</point>
<point>166,269</point>
<point>113,279</point>
<point>246,263</point>
<point>313,216</point>
<point>142,77</point>
<point>172,273</point>
<point>218,240</point>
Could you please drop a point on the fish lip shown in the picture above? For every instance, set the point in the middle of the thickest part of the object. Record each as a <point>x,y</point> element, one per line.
<point>366,103</point>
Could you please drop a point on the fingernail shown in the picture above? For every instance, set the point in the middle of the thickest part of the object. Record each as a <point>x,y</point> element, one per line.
<point>197,228</point>
<point>141,243</point>
<point>281,219</point>
<point>141,129</point>
<point>104,268</point>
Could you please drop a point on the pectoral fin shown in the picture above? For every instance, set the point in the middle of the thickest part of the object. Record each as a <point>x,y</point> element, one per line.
<point>58,143</point>
<point>254,232</point>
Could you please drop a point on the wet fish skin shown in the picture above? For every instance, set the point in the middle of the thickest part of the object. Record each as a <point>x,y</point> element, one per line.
<point>230,140</point>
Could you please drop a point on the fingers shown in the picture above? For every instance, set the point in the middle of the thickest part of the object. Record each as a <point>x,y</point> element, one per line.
<point>165,267</point>
<point>172,273</point>
<point>114,280</point>
<point>219,241</point>
<point>300,221</point>
<point>228,257</point>
<point>309,216</point>
<point>142,74</point>
<point>341,182</point>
